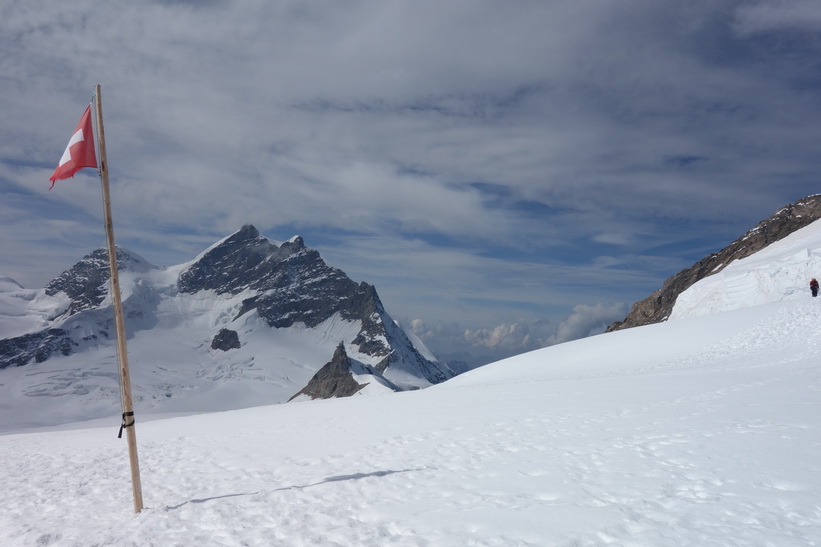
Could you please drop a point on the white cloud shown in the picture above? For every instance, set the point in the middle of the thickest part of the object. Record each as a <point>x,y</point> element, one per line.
<point>507,339</point>
<point>518,337</point>
<point>480,346</point>
<point>803,15</point>
<point>587,320</point>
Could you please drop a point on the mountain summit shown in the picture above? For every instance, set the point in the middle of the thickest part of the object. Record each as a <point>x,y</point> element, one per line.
<point>249,319</point>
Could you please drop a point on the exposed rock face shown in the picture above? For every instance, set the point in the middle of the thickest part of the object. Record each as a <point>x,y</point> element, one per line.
<point>284,284</point>
<point>38,346</point>
<point>225,340</point>
<point>335,379</point>
<point>242,261</point>
<point>292,284</point>
<point>657,307</point>
<point>86,285</point>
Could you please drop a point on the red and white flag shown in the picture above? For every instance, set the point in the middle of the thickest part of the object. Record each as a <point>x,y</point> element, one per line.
<point>79,152</point>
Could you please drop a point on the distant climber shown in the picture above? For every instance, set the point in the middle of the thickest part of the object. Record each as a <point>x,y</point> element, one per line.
<point>814,286</point>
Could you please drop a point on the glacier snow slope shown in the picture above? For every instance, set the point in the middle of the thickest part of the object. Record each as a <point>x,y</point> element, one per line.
<point>173,368</point>
<point>779,272</point>
<point>703,430</point>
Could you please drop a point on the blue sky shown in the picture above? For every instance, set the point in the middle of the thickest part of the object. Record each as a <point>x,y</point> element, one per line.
<point>507,174</point>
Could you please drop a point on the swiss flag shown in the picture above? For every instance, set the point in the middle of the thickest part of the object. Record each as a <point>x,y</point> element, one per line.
<point>79,152</point>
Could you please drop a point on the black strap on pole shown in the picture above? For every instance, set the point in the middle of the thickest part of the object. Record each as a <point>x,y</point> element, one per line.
<point>124,425</point>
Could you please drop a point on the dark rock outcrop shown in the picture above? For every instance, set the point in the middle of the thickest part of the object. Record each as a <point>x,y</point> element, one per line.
<point>240,262</point>
<point>658,306</point>
<point>293,283</point>
<point>86,284</point>
<point>335,379</point>
<point>225,340</point>
<point>38,346</point>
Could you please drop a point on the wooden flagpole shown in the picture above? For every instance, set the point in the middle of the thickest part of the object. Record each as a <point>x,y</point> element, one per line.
<point>119,320</point>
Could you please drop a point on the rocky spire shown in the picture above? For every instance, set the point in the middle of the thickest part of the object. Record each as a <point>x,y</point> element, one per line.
<point>335,379</point>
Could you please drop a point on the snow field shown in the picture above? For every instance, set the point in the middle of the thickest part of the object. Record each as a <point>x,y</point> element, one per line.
<point>718,445</point>
<point>173,371</point>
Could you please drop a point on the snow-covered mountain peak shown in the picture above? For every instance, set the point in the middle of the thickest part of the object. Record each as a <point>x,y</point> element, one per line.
<point>241,261</point>
<point>247,322</point>
<point>85,283</point>
<point>297,241</point>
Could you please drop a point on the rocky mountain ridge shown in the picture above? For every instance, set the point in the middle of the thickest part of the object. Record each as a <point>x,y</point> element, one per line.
<point>235,292</point>
<point>658,306</point>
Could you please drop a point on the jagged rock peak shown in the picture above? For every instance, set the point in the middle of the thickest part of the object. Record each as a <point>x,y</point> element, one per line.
<point>238,262</point>
<point>247,235</point>
<point>658,306</point>
<point>339,353</point>
<point>248,231</point>
<point>296,243</point>
<point>286,284</point>
<point>335,379</point>
<point>85,282</point>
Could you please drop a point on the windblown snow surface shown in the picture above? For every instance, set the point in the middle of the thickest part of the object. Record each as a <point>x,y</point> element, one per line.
<point>703,430</point>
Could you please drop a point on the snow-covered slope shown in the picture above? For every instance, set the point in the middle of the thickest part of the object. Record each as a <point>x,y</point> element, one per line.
<point>705,430</point>
<point>779,272</point>
<point>702,431</point>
